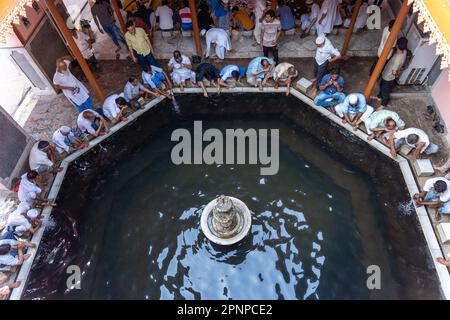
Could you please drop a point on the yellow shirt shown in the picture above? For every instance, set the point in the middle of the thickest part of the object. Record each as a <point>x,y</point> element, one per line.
<point>244,19</point>
<point>138,41</point>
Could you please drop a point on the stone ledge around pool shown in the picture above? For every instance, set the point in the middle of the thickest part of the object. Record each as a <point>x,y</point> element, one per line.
<point>408,175</point>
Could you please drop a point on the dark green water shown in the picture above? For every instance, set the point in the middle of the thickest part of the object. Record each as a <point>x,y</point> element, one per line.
<point>317,225</point>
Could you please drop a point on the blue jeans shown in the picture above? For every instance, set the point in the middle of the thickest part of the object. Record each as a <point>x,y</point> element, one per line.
<point>148,60</point>
<point>326,100</point>
<point>320,71</point>
<point>85,105</point>
<point>431,149</point>
<point>114,33</point>
<point>444,208</point>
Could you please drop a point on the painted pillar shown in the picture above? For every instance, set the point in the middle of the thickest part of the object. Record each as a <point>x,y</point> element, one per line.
<point>349,33</point>
<point>195,28</point>
<point>116,8</point>
<point>274,4</point>
<point>390,42</point>
<point>61,24</point>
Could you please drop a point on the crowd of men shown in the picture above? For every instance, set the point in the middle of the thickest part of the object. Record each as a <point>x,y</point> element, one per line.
<point>217,22</point>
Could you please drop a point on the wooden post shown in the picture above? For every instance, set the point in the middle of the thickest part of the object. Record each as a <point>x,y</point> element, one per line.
<point>61,24</point>
<point>195,28</point>
<point>390,42</point>
<point>273,4</point>
<point>116,9</point>
<point>349,33</point>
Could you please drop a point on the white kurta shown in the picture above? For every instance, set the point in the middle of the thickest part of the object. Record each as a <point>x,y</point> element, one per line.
<point>181,73</point>
<point>221,39</point>
<point>28,191</point>
<point>332,18</point>
<point>361,20</point>
<point>259,9</point>
<point>67,79</point>
<point>307,18</point>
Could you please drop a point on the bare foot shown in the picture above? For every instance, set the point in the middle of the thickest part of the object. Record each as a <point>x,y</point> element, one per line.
<point>255,44</point>
<point>26,256</point>
<point>375,98</point>
<point>370,137</point>
<point>15,284</point>
<point>181,88</point>
<point>205,94</point>
<point>438,216</point>
<point>344,121</point>
<point>443,261</point>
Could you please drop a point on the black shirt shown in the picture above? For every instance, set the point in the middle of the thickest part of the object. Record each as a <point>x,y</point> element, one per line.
<point>207,71</point>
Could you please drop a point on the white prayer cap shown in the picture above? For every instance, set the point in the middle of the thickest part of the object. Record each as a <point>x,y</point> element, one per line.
<point>32,214</point>
<point>20,229</point>
<point>353,99</point>
<point>203,32</point>
<point>320,40</point>
<point>70,25</point>
<point>65,129</point>
<point>309,2</point>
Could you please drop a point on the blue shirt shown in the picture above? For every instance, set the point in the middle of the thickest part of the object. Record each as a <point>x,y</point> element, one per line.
<point>360,107</point>
<point>255,65</point>
<point>331,89</point>
<point>286,17</point>
<point>227,70</point>
<point>223,17</point>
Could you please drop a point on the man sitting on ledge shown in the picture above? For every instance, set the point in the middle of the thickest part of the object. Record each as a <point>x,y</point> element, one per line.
<point>66,140</point>
<point>331,86</point>
<point>417,139</point>
<point>383,123</point>
<point>209,72</point>
<point>43,158</point>
<point>91,122</point>
<point>354,110</point>
<point>436,194</point>
<point>259,70</point>
<point>283,74</point>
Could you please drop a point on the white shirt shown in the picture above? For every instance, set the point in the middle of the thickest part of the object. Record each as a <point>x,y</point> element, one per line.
<point>227,71</point>
<point>20,222</point>
<point>325,52</point>
<point>147,77</point>
<point>219,37</point>
<point>165,17</point>
<point>85,124</point>
<point>423,137</point>
<point>384,38</point>
<point>110,107</point>
<point>28,191</point>
<point>184,60</point>
<point>259,9</point>
<point>361,20</point>
<point>67,79</point>
<point>38,157</point>
<point>58,139</point>
<point>332,18</point>
<point>280,71</point>
<point>444,196</point>
<point>82,42</point>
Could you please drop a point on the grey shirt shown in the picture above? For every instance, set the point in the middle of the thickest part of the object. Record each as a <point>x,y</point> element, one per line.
<point>104,13</point>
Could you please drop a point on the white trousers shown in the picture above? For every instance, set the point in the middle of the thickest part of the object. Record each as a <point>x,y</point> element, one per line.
<point>340,112</point>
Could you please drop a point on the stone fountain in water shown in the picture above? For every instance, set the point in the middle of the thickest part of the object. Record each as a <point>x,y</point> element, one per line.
<point>226,220</point>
